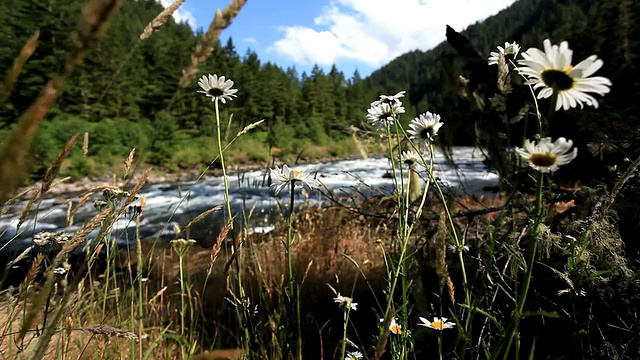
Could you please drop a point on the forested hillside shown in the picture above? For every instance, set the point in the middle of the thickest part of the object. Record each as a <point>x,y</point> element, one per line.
<point>126,93</point>
<point>609,29</point>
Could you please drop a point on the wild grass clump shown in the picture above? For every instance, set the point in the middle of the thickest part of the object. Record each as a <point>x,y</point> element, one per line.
<point>416,273</point>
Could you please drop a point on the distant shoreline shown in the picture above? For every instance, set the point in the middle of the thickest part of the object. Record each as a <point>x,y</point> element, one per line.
<point>76,186</point>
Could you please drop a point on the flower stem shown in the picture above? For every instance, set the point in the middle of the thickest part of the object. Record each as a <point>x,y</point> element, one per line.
<point>227,199</point>
<point>517,313</point>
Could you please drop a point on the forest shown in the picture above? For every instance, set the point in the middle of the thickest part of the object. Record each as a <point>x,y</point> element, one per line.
<point>126,93</point>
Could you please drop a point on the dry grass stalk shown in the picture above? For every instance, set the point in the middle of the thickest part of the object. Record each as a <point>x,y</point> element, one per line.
<point>85,143</point>
<point>16,146</point>
<point>160,20</point>
<point>452,290</point>
<point>133,194</point>
<point>108,331</point>
<point>203,215</point>
<point>94,22</point>
<point>221,21</point>
<point>52,171</point>
<point>222,354</point>
<point>34,269</point>
<point>128,162</point>
<point>20,257</point>
<point>12,74</point>
<point>78,237</point>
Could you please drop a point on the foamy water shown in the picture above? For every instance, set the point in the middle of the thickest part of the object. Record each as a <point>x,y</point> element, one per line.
<point>251,198</point>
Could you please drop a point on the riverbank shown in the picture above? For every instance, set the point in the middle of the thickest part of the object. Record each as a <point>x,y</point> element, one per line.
<point>67,186</point>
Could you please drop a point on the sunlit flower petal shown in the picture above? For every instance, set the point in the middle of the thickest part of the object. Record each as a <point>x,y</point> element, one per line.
<point>437,323</point>
<point>217,87</point>
<point>546,156</point>
<point>283,177</point>
<point>345,301</point>
<point>509,52</point>
<point>551,69</point>
<point>424,128</point>
<point>383,115</point>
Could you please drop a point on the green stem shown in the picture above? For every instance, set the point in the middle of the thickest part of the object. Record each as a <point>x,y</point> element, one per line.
<point>530,262</point>
<point>227,199</point>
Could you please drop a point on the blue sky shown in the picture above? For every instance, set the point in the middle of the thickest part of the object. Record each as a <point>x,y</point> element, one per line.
<point>353,34</point>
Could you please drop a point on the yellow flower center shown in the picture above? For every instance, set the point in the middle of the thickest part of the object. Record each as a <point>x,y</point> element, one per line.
<point>543,159</point>
<point>296,172</point>
<point>437,325</point>
<point>396,329</point>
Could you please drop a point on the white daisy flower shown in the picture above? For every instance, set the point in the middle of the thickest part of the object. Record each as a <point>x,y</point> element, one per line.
<point>457,249</point>
<point>547,156</point>
<point>383,115</point>
<point>552,69</point>
<point>217,87</point>
<point>509,52</point>
<point>437,323</point>
<point>346,302</point>
<point>564,291</point>
<point>424,128</point>
<point>569,291</point>
<point>389,99</point>
<point>283,177</point>
<point>394,327</point>
<point>59,271</point>
<point>412,159</point>
<point>353,355</point>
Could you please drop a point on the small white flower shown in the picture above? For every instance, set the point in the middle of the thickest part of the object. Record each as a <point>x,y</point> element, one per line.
<point>457,249</point>
<point>353,355</point>
<point>59,271</point>
<point>412,159</point>
<point>346,301</point>
<point>383,115</point>
<point>551,71</point>
<point>217,87</point>
<point>547,156</point>
<point>424,128</point>
<point>389,99</point>
<point>564,291</point>
<point>282,177</point>
<point>509,52</point>
<point>569,291</point>
<point>394,327</point>
<point>437,323</point>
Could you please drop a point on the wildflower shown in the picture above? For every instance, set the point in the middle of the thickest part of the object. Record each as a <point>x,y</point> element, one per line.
<point>284,176</point>
<point>424,128</point>
<point>383,115</point>
<point>60,271</point>
<point>411,159</point>
<point>569,291</point>
<point>217,88</point>
<point>181,246</point>
<point>547,156</point>
<point>394,327</point>
<point>353,355</point>
<point>437,323</point>
<point>552,71</point>
<point>346,302</point>
<point>42,238</point>
<point>389,99</point>
<point>458,248</point>
<point>509,52</point>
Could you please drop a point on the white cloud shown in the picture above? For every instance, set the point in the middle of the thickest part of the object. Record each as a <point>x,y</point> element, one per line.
<point>250,40</point>
<point>375,32</point>
<point>181,15</point>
